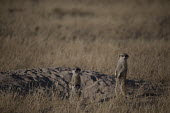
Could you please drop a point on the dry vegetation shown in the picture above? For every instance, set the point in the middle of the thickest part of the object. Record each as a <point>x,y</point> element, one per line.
<point>42,103</point>
<point>88,34</point>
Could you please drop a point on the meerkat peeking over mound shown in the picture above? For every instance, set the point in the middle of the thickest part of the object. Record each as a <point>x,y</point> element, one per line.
<point>75,83</point>
<point>121,73</point>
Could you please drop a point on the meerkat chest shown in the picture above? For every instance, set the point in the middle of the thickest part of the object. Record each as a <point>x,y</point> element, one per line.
<point>76,79</point>
<point>125,64</point>
<point>122,64</point>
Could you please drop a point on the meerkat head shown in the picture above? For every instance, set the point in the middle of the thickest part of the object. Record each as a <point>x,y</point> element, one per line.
<point>124,56</point>
<point>76,70</point>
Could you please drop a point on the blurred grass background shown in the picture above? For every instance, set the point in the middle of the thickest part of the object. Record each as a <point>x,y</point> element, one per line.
<point>88,34</point>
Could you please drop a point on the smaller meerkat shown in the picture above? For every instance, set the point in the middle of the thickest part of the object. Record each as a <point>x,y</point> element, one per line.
<point>75,83</point>
<point>121,73</point>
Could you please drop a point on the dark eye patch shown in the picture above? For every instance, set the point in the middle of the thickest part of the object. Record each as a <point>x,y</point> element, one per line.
<point>77,69</point>
<point>126,56</point>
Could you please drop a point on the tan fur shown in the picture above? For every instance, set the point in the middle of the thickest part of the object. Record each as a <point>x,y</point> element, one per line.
<point>121,73</point>
<point>76,80</point>
<point>75,85</point>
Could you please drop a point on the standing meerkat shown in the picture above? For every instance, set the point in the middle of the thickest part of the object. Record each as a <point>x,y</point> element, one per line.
<point>75,83</point>
<point>121,73</point>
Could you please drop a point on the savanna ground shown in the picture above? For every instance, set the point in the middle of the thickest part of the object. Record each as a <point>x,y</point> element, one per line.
<point>89,34</point>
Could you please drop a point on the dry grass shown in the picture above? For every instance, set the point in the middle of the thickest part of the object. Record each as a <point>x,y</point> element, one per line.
<point>43,103</point>
<point>85,34</point>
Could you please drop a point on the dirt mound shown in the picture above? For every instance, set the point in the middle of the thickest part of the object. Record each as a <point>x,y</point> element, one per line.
<point>96,86</point>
